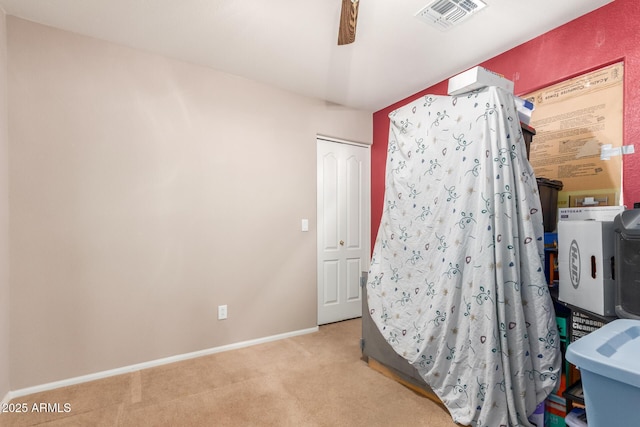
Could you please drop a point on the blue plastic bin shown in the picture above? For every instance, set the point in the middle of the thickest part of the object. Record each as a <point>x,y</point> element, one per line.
<point>609,363</point>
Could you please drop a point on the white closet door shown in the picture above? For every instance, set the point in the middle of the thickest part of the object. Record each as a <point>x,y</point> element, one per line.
<point>343,228</point>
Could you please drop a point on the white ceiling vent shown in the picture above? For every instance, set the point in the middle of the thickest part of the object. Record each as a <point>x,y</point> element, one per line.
<point>444,14</point>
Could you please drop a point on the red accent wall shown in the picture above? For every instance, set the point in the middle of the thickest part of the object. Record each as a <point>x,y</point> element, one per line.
<point>605,36</point>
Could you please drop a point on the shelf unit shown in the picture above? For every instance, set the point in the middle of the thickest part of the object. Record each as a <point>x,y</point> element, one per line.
<point>580,322</point>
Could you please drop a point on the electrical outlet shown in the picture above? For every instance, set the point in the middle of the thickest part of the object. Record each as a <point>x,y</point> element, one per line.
<point>222,312</point>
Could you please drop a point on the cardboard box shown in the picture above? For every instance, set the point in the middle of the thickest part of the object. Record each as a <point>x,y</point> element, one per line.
<point>596,213</point>
<point>583,324</point>
<point>585,258</point>
<point>554,414</point>
<point>562,327</point>
<point>476,78</point>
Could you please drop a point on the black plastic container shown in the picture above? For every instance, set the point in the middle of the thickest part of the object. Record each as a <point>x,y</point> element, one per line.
<point>548,191</point>
<point>626,230</point>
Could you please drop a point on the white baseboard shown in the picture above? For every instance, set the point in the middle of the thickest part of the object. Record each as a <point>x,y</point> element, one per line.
<point>6,399</point>
<point>153,363</point>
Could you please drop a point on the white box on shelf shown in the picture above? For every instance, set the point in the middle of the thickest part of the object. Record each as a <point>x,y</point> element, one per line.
<point>585,258</point>
<point>476,78</point>
<point>596,213</point>
<point>525,109</point>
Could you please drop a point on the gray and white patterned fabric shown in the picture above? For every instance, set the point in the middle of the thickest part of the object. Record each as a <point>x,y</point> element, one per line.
<point>456,284</point>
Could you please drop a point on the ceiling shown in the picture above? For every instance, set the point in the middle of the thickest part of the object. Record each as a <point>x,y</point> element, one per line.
<point>292,44</point>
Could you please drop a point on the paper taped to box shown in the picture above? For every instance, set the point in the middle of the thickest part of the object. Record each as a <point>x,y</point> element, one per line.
<point>477,78</point>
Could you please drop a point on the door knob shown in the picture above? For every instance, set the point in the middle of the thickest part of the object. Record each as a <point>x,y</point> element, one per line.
<point>341,242</point>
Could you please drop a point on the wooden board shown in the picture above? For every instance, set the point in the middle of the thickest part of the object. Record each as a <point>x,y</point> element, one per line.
<point>377,366</point>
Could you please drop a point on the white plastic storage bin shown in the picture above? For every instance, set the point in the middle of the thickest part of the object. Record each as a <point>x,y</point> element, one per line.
<point>609,365</point>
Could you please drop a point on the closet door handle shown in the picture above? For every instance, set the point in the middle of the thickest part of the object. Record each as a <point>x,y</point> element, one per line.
<point>341,242</point>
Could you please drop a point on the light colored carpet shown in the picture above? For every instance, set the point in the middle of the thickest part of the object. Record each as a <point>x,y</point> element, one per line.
<point>317,379</point>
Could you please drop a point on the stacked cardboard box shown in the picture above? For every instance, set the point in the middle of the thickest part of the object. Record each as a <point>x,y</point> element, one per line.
<point>556,406</point>
<point>582,325</point>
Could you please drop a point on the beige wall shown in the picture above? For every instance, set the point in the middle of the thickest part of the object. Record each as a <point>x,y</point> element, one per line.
<point>4,216</point>
<point>144,193</point>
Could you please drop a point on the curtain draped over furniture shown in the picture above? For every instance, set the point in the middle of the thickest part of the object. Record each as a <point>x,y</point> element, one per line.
<point>456,284</point>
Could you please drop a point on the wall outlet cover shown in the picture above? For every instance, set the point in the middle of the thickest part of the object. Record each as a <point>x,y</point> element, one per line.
<point>222,312</point>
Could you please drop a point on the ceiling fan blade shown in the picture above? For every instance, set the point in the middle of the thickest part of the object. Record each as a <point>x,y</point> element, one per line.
<point>348,21</point>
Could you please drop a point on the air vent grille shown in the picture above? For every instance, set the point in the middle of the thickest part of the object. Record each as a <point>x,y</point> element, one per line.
<point>444,14</point>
